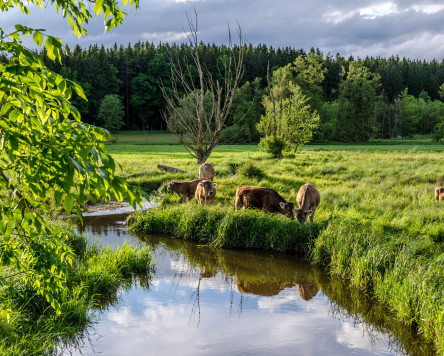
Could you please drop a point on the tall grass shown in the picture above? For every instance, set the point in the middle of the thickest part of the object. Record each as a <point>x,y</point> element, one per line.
<point>220,226</point>
<point>94,279</point>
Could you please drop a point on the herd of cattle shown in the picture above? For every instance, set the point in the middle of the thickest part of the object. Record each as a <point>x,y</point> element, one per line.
<point>267,199</point>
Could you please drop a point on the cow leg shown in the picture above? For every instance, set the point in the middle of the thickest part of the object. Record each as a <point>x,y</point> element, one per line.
<point>185,198</point>
<point>237,203</point>
<point>312,215</point>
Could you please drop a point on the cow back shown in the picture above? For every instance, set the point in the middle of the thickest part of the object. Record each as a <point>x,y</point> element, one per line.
<point>308,197</point>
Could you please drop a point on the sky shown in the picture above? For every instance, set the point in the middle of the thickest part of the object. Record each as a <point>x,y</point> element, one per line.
<point>408,28</point>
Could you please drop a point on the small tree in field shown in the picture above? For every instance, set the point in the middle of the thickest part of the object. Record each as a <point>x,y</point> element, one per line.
<point>289,120</point>
<point>198,108</point>
<point>111,113</point>
<point>299,119</point>
<point>438,132</point>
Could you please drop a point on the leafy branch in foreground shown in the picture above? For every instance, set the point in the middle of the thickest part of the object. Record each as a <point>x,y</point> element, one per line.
<point>47,154</point>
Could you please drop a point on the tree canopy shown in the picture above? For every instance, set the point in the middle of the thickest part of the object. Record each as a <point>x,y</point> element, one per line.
<point>48,156</point>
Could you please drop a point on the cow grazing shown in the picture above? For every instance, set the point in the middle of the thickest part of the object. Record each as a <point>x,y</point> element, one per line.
<point>263,198</point>
<point>439,193</point>
<point>185,190</point>
<point>205,192</point>
<point>206,171</point>
<point>308,200</point>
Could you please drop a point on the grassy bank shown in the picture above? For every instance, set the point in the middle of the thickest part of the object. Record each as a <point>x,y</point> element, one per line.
<point>220,226</point>
<point>93,279</point>
<point>381,229</point>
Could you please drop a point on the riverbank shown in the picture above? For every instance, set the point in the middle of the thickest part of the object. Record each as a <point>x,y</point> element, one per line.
<point>94,279</point>
<point>381,229</point>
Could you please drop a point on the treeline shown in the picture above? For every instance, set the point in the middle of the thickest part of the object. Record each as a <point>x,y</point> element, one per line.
<point>387,98</point>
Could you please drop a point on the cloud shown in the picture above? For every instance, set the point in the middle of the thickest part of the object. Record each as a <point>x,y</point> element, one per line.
<point>356,27</point>
<point>168,36</point>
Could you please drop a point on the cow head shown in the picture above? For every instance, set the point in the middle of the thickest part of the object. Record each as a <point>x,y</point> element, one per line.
<point>209,188</point>
<point>287,209</point>
<point>172,184</point>
<point>302,215</point>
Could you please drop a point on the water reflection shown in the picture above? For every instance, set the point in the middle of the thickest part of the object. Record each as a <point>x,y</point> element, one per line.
<point>210,301</point>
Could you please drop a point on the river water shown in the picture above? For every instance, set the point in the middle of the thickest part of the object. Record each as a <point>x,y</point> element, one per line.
<point>204,301</point>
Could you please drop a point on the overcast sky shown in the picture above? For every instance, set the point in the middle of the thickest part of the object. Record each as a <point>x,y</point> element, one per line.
<point>409,28</point>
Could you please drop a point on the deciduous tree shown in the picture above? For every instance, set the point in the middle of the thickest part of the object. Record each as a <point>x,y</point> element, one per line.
<point>199,129</point>
<point>46,152</point>
<point>111,112</point>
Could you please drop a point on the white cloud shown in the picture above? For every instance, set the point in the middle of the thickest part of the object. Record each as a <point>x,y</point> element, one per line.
<point>428,9</point>
<point>383,9</point>
<point>168,36</point>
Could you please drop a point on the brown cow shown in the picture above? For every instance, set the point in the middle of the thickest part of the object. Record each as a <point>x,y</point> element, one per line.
<point>205,192</point>
<point>439,193</point>
<point>263,198</point>
<point>206,171</point>
<point>185,190</point>
<point>308,200</point>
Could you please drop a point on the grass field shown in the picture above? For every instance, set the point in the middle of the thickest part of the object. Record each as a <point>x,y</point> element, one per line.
<point>382,232</point>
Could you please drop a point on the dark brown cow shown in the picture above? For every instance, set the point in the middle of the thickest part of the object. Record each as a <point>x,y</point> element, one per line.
<point>308,200</point>
<point>439,193</point>
<point>206,171</point>
<point>185,190</point>
<point>263,198</point>
<point>205,192</point>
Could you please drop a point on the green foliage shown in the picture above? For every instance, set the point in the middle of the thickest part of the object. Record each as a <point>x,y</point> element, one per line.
<point>358,94</point>
<point>47,155</point>
<point>299,120</point>
<point>309,74</point>
<point>441,91</point>
<point>288,117</point>
<point>111,113</point>
<point>146,96</point>
<point>424,96</point>
<point>273,146</point>
<point>438,132</point>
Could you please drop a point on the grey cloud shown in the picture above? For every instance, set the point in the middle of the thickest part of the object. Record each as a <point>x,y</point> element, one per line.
<point>299,24</point>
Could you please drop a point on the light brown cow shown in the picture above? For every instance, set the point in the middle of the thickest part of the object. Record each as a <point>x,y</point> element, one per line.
<point>439,193</point>
<point>308,200</point>
<point>263,198</point>
<point>206,171</point>
<point>186,190</point>
<point>205,192</point>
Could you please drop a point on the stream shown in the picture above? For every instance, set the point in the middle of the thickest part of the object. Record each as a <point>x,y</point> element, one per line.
<point>205,301</point>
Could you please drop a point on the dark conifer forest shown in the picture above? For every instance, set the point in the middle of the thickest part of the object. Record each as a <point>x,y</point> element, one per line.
<point>392,97</point>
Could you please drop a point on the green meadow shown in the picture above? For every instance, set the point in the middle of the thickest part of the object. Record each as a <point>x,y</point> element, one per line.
<point>377,227</point>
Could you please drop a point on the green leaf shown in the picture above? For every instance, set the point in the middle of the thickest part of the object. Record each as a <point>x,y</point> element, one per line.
<point>98,7</point>
<point>38,38</point>
<point>68,204</point>
<point>13,142</point>
<point>49,49</point>
<point>13,116</point>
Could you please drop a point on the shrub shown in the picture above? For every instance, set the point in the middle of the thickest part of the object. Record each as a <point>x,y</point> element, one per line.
<point>249,170</point>
<point>270,145</point>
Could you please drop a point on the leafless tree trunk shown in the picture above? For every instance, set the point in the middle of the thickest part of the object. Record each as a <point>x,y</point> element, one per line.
<point>197,113</point>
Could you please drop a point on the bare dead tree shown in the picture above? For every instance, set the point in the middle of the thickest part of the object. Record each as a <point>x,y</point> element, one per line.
<point>197,110</point>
